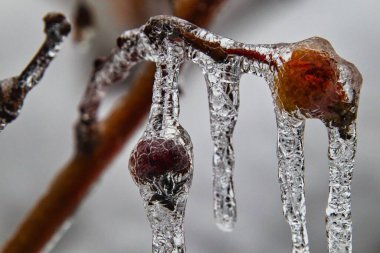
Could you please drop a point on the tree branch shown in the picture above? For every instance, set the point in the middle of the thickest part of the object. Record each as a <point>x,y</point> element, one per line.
<point>14,90</point>
<point>75,180</point>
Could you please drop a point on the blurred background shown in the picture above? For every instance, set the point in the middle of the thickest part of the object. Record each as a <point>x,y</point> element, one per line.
<point>112,219</point>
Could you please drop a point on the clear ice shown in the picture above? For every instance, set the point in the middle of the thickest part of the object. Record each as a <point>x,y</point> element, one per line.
<point>291,177</point>
<point>13,90</point>
<point>307,79</point>
<point>341,164</point>
<point>109,71</point>
<point>223,95</point>
<point>161,162</point>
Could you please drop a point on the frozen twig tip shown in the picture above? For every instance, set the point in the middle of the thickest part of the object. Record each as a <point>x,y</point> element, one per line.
<point>13,90</point>
<point>57,24</point>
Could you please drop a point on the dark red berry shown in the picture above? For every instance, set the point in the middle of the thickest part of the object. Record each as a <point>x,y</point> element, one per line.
<point>153,158</point>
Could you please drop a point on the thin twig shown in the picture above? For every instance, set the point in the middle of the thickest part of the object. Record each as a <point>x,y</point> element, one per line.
<point>14,90</point>
<point>75,180</point>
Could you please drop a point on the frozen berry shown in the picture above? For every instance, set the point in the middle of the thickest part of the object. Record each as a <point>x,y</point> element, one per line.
<point>153,158</point>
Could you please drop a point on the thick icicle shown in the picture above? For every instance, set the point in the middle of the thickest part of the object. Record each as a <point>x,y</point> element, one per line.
<point>291,176</point>
<point>223,94</point>
<point>14,90</point>
<point>341,165</point>
<point>161,162</point>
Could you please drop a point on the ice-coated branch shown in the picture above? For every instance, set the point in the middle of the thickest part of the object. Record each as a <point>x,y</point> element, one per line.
<point>83,170</point>
<point>107,71</point>
<point>14,90</point>
<point>307,79</point>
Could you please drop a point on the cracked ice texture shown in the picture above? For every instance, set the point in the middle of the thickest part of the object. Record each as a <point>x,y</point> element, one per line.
<point>223,93</point>
<point>14,90</point>
<point>307,80</point>
<point>162,169</point>
<point>341,164</point>
<point>291,177</point>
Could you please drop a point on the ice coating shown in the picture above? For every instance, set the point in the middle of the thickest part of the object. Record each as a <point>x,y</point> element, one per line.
<point>307,80</point>
<point>14,90</point>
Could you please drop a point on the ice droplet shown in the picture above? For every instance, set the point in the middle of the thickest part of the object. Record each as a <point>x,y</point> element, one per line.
<point>108,71</point>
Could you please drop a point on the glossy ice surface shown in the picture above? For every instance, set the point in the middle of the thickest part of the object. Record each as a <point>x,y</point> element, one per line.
<point>307,80</point>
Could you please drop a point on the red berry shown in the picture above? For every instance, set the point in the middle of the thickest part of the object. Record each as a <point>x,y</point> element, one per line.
<point>309,82</point>
<point>153,158</point>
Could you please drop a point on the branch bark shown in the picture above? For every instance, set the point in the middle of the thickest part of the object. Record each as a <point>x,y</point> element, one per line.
<point>76,178</point>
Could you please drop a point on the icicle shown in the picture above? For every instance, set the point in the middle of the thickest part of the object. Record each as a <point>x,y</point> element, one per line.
<point>13,90</point>
<point>161,162</point>
<point>223,93</point>
<point>341,164</point>
<point>291,177</point>
<point>108,71</point>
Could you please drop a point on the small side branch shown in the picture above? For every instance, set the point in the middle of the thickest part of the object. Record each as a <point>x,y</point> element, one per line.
<point>13,90</point>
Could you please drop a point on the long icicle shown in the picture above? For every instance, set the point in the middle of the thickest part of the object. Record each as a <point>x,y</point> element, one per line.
<point>307,80</point>
<point>291,177</point>
<point>223,94</point>
<point>338,211</point>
